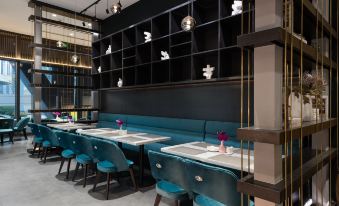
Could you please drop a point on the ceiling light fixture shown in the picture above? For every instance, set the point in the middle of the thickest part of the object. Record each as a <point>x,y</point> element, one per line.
<point>188,23</point>
<point>89,24</point>
<point>54,15</point>
<point>116,8</point>
<point>71,34</point>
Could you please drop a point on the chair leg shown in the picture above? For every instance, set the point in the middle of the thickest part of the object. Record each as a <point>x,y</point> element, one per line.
<point>97,178</point>
<point>25,134</point>
<point>11,136</point>
<point>177,203</point>
<point>2,139</point>
<point>76,171</point>
<point>133,179</point>
<point>68,166</point>
<point>107,186</point>
<point>85,175</point>
<point>39,152</point>
<point>45,154</point>
<point>61,164</point>
<point>34,148</point>
<point>157,200</point>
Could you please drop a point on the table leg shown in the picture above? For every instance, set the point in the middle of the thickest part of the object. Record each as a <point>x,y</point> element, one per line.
<point>120,145</point>
<point>141,165</point>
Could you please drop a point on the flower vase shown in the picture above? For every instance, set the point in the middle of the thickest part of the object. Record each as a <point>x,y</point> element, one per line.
<point>222,148</point>
<point>120,127</point>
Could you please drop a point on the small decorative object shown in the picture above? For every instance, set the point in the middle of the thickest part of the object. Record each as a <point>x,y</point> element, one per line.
<point>208,71</point>
<point>109,50</point>
<point>236,7</point>
<point>120,83</point>
<point>116,8</point>
<point>148,36</point>
<point>70,119</point>
<point>119,123</point>
<point>222,137</point>
<point>61,44</point>
<point>75,59</point>
<point>54,82</point>
<point>57,114</point>
<point>99,69</point>
<point>188,23</point>
<point>164,55</point>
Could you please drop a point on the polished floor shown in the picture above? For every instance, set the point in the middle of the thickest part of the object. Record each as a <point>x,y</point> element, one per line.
<point>25,181</point>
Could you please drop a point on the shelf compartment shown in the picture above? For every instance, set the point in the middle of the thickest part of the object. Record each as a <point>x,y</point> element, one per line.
<point>105,80</point>
<point>176,17</point>
<point>96,51</point>
<point>130,61</point>
<point>141,28</point>
<point>143,74</point>
<point>160,26</point>
<point>116,60</point>
<point>129,37</point>
<point>95,65</point>
<point>205,11</point>
<point>104,45</point>
<point>276,193</point>
<point>229,30</point>
<point>205,37</point>
<point>116,42</point>
<point>129,76</point>
<point>226,8</point>
<point>115,75</point>
<point>144,53</point>
<point>200,61</point>
<point>230,62</point>
<point>181,69</point>
<point>277,137</point>
<point>105,63</point>
<point>96,81</point>
<point>158,46</point>
<point>160,72</point>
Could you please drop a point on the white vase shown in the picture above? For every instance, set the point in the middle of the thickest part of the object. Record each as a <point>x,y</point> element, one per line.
<point>308,110</point>
<point>295,104</point>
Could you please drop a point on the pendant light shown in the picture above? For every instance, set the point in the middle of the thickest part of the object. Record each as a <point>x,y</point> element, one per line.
<point>188,23</point>
<point>116,8</point>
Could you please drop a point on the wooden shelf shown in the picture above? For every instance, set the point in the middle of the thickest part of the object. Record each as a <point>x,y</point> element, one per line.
<point>33,45</point>
<point>277,137</point>
<point>62,110</point>
<point>276,193</point>
<point>59,73</point>
<point>61,86</point>
<point>277,36</point>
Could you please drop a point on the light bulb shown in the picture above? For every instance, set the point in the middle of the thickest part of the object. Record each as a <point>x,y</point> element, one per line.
<point>116,8</point>
<point>188,23</point>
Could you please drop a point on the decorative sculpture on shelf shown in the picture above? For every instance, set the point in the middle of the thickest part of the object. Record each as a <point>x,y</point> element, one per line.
<point>120,82</point>
<point>99,69</point>
<point>109,50</point>
<point>208,71</point>
<point>237,7</point>
<point>75,59</point>
<point>148,36</point>
<point>61,44</point>
<point>164,55</point>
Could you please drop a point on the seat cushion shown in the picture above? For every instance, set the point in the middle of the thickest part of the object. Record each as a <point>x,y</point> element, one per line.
<point>37,140</point>
<point>4,131</point>
<point>108,167</point>
<point>46,143</point>
<point>170,190</point>
<point>84,159</point>
<point>202,200</point>
<point>67,153</point>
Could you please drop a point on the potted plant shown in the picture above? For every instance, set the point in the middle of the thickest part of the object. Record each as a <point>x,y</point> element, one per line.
<point>119,123</point>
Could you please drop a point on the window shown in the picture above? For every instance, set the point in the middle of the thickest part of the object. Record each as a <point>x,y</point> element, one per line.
<point>7,87</point>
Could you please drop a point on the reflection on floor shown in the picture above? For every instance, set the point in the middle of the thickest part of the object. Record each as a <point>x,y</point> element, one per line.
<point>25,181</point>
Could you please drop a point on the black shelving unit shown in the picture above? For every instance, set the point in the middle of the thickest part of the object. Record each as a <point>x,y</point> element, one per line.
<point>139,63</point>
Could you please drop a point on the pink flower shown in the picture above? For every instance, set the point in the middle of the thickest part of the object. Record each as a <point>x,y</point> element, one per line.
<point>222,136</point>
<point>57,113</point>
<point>119,122</point>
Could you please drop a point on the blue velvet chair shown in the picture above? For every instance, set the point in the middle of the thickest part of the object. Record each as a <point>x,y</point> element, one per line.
<point>212,186</point>
<point>50,140</point>
<point>67,143</point>
<point>169,171</point>
<point>110,159</point>
<point>84,155</point>
<point>6,128</point>
<point>37,139</point>
<point>21,126</point>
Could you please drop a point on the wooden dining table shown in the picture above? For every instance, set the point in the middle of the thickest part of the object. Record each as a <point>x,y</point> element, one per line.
<point>198,151</point>
<point>134,138</point>
<point>71,126</point>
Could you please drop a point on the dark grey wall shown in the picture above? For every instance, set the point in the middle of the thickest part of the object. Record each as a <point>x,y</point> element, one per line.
<point>218,102</point>
<point>137,12</point>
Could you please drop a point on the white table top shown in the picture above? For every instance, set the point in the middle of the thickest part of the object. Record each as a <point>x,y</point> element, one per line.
<point>131,137</point>
<point>71,126</point>
<point>198,151</point>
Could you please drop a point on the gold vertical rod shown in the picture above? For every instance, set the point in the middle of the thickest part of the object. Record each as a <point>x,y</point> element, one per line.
<point>337,88</point>
<point>291,86</point>
<point>330,105</point>
<point>316,176</point>
<point>301,103</point>
<point>248,98</point>
<point>242,102</point>
<point>321,176</point>
<point>317,55</point>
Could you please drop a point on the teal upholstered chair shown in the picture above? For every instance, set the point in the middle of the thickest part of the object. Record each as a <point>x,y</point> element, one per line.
<point>212,186</point>
<point>67,143</point>
<point>169,171</point>
<point>50,140</point>
<point>110,159</point>
<point>21,126</point>
<point>6,128</point>
<point>84,155</point>
<point>37,139</point>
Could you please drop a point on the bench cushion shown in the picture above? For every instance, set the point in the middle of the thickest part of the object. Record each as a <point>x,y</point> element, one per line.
<point>107,120</point>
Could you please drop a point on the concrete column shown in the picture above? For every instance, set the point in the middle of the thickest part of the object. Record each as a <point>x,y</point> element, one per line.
<point>268,99</point>
<point>37,97</point>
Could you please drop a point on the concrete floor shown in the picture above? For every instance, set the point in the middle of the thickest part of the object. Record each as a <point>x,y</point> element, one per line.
<point>25,181</point>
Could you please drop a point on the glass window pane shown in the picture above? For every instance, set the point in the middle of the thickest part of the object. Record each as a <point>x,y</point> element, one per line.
<point>7,87</point>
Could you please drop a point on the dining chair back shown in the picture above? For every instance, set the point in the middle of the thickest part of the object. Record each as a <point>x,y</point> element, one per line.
<point>49,135</point>
<point>209,183</point>
<point>34,129</point>
<point>6,128</point>
<point>22,123</point>
<point>37,140</point>
<point>66,140</point>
